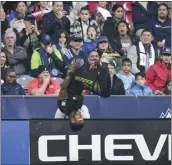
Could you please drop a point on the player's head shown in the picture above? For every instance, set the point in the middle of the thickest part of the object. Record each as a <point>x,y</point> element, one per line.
<point>76,121</point>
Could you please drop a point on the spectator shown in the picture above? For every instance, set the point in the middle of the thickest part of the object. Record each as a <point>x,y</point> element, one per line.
<point>48,56</point>
<point>42,5</point>
<point>55,21</point>
<point>124,40</point>
<point>143,54</point>
<point>160,72</point>
<point>91,42</point>
<point>167,90</point>
<point>20,10</point>
<point>18,21</point>
<point>62,42</point>
<point>30,38</point>
<point>80,26</point>
<point>126,76</point>
<point>10,86</point>
<point>117,86</point>
<point>110,24</point>
<point>43,84</point>
<point>16,55</point>
<point>104,49</point>
<point>4,25</point>
<point>3,64</point>
<point>75,53</point>
<point>161,27</point>
<point>142,12</point>
<point>140,88</point>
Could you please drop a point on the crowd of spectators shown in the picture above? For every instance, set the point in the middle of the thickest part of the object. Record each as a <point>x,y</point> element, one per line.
<point>39,40</point>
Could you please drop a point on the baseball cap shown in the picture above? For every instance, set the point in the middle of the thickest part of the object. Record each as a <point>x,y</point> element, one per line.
<point>39,70</point>
<point>76,37</point>
<point>46,39</point>
<point>166,51</point>
<point>103,39</point>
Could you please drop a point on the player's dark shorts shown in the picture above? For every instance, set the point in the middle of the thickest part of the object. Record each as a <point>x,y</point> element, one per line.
<point>73,103</point>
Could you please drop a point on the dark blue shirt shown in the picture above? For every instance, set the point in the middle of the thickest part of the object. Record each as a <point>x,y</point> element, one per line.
<point>12,89</point>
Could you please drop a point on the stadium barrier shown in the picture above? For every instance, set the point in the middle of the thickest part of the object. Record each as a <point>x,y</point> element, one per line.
<point>115,107</point>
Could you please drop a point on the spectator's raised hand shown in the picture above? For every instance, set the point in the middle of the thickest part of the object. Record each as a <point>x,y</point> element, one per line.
<point>46,79</point>
<point>160,44</point>
<point>49,50</point>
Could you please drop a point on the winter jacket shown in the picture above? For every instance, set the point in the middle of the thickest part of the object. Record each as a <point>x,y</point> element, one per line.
<point>137,90</point>
<point>77,28</point>
<point>17,60</point>
<point>117,86</point>
<point>128,80</point>
<point>12,89</point>
<point>161,31</point>
<point>52,25</point>
<point>54,61</point>
<point>134,55</point>
<point>157,75</point>
<point>141,16</point>
<point>89,46</point>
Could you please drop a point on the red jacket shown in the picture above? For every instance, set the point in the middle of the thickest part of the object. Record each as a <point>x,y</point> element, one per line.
<point>157,75</point>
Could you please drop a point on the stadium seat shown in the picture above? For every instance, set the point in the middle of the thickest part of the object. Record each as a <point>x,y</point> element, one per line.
<point>59,80</point>
<point>24,81</point>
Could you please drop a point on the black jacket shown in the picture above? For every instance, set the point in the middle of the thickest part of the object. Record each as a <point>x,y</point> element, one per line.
<point>141,16</point>
<point>52,25</point>
<point>117,87</point>
<point>12,89</point>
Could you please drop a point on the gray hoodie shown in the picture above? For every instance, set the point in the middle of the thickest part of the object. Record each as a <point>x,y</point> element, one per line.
<point>17,60</point>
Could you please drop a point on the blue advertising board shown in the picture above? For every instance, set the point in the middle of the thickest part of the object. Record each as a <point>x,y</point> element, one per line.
<point>15,142</point>
<point>99,108</point>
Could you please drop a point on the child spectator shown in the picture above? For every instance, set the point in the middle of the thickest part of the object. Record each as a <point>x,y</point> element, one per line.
<point>43,84</point>
<point>10,86</point>
<point>168,86</point>
<point>62,41</point>
<point>91,41</point>
<point>81,25</point>
<point>123,41</point>
<point>160,72</point>
<point>126,76</point>
<point>117,86</point>
<point>140,88</point>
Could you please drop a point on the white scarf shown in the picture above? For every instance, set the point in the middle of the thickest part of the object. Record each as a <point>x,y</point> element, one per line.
<point>144,56</point>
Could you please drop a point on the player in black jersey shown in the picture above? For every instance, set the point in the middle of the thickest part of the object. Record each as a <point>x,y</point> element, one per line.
<point>93,76</point>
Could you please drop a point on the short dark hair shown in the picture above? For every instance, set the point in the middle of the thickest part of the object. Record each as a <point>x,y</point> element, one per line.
<point>127,60</point>
<point>116,6</point>
<point>146,30</point>
<point>141,74</point>
<point>75,126</point>
<point>84,8</point>
<point>55,2</point>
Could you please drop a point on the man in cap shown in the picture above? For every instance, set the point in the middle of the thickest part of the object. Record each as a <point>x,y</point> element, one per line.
<point>75,53</point>
<point>48,56</point>
<point>93,76</point>
<point>160,72</point>
<point>43,84</point>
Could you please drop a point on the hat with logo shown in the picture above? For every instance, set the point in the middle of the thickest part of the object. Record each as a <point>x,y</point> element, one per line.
<point>103,39</point>
<point>166,51</point>
<point>39,70</point>
<point>46,39</point>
